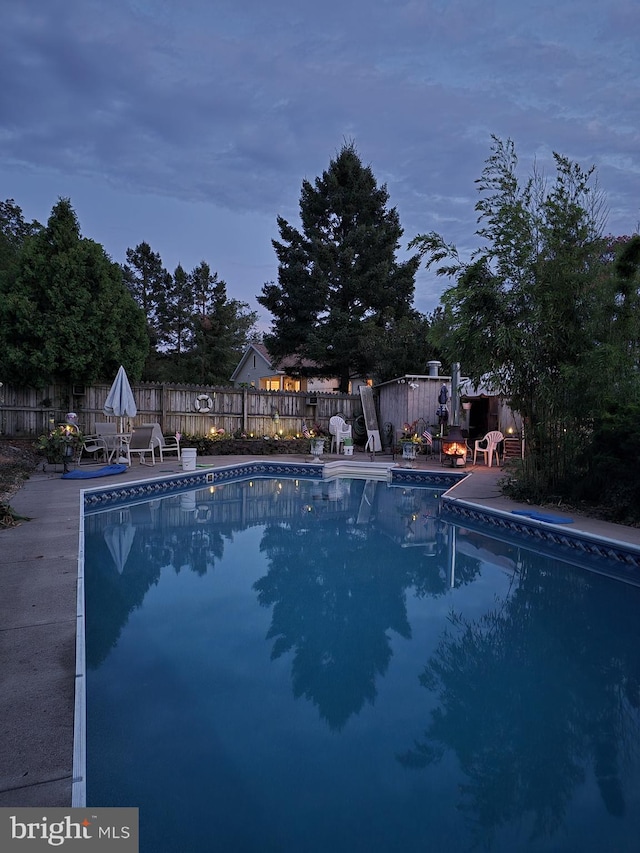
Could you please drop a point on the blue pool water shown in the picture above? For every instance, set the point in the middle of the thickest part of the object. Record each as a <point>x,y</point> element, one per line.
<point>304,667</point>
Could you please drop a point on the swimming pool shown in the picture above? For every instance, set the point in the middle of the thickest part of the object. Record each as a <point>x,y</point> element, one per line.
<point>309,665</point>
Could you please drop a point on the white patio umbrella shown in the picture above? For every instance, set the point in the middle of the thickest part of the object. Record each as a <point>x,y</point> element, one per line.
<point>120,401</point>
<point>119,539</point>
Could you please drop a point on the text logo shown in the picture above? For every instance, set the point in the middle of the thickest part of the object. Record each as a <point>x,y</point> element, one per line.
<point>86,829</point>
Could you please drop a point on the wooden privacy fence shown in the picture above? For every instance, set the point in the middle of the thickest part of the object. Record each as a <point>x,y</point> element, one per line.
<point>26,412</point>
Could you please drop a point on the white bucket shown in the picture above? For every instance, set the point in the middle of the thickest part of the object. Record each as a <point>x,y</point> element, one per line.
<point>188,502</point>
<point>188,455</point>
<point>348,449</point>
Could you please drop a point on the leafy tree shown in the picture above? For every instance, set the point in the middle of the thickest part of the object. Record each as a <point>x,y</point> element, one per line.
<point>67,315</point>
<point>13,233</point>
<point>409,347</point>
<point>340,290</point>
<point>526,309</point>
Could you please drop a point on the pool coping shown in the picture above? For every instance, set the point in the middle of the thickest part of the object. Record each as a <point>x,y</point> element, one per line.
<point>602,554</point>
<point>573,545</point>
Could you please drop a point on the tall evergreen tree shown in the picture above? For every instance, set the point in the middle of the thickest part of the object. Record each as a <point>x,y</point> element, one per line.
<point>222,327</point>
<point>340,289</point>
<point>67,315</point>
<point>175,314</point>
<point>147,281</point>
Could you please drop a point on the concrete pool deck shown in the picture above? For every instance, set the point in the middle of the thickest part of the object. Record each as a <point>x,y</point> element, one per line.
<point>38,569</point>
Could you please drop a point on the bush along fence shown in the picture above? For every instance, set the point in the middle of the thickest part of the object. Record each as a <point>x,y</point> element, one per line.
<point>193,411</point>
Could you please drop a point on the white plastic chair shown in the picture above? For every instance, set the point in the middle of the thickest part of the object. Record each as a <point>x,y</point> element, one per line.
<point>488,446</point>
<point>339,429</point>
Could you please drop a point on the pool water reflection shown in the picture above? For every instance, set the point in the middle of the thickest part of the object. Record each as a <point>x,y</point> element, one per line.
<point>288,665</point>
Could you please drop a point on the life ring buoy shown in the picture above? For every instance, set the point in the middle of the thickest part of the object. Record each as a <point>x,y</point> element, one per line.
<point>203,404</point>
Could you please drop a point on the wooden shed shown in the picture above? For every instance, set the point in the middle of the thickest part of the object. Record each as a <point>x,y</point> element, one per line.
<point>416,398</point>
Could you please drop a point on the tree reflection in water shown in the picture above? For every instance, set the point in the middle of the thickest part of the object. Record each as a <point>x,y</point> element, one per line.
<point>534,693</point>
<point>337,590</point>
<point>163,536</point>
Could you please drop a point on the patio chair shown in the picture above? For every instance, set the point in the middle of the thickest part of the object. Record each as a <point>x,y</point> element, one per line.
<point>339,429</point>
<point>107,431</point>
<point>164,443</point>
<point>140,441</point>
<point>488,446</point>
<point>104,429</point>
<point>96,447</point>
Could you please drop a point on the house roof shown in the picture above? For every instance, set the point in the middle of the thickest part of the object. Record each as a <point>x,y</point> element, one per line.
<point>280,366</point>
<point>261,351</point>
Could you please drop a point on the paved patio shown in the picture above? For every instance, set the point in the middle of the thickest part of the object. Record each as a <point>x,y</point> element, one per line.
<point>38,569</point>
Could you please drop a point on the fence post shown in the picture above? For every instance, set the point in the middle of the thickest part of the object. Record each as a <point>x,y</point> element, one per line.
<point>163,405</point>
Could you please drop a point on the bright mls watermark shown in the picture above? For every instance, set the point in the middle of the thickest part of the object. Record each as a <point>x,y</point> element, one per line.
<point>85,829</point>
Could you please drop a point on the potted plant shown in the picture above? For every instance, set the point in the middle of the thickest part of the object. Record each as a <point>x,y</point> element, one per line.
<point>317,445</point>
<point>410,442</point>
<point>61,445</point>
<point>317,441</point>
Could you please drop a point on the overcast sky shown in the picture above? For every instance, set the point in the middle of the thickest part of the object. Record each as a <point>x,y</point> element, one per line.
<point>191,124</point>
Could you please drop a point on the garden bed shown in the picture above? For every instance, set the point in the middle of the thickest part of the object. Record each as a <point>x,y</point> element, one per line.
<point>249,446</point>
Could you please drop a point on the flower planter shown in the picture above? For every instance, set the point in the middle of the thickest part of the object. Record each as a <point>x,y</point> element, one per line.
<point>317,447</point>
<point>409,451</point>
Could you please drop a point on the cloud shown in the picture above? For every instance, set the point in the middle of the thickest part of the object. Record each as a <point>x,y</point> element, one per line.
<point>227,107</point>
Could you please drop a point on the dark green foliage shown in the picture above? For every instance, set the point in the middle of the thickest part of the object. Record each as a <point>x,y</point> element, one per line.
<point>543,311</point>
<point>340,291</point>
<point>199,334</point>
<point>65,314</point>
<point>408,348</point>
<point>146,279</point>
<point>610,466</point>
<point>202,333</point>
<point>175,313</point>
<point>13,233</point>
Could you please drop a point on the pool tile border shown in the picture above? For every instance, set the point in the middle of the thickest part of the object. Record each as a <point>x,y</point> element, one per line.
<point>439,479</point>
<point>99,499</point>
<point>615,559</point>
